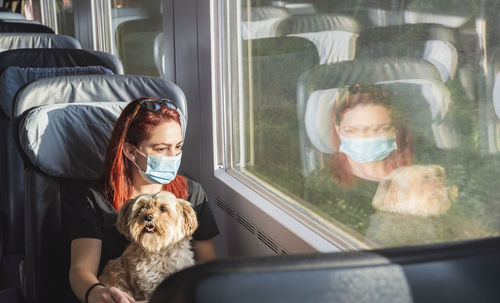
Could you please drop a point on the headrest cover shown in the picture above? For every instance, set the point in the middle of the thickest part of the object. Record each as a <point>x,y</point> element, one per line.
<point>36,40</point>
<point>317,23</point>
<point>320,105</point>
<point>15,77</point>
<point>69,140</point>
<point>98,88</point>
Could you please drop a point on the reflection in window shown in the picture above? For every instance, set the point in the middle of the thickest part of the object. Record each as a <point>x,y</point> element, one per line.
<point>65,17</point>
<point>390,132</point>
<point>136,25</point>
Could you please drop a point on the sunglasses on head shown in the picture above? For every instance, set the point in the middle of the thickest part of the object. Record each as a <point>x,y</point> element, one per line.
<point>154,105</point>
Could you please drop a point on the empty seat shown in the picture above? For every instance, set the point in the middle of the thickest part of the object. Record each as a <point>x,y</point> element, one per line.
<point>36,40</point>
<point>334,35</point>
<point>24,27</point>
<point>59,57</point>
<point>63,146</point>
<point>432,42</point>
<point>260,22</point>
<point>455,272</point>
<point>135,45</point>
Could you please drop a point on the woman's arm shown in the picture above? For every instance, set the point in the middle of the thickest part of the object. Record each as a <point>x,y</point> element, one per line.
<point>85,257</point>
<point>204,250</point>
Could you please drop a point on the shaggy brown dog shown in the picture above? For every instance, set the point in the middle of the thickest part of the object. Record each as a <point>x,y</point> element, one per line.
<point>415,190</point>
<point>159,228</point>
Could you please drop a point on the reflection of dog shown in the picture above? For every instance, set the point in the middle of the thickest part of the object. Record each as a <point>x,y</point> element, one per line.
<point>159,228</point>
<point>415,190</point>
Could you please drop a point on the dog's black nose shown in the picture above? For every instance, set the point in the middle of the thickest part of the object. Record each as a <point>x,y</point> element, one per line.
<point>148,217</point>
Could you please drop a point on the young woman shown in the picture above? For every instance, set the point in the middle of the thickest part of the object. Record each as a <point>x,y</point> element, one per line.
<point>143,157</point>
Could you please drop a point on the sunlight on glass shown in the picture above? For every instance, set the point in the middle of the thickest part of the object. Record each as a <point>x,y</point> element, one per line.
<point>378,119</point>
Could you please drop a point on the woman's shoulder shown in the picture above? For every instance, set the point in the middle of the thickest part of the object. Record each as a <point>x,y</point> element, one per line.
<point>196,193</point>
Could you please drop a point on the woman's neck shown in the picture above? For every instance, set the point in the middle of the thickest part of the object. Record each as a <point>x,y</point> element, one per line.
<point>141,186</point>
<point>372,171</point>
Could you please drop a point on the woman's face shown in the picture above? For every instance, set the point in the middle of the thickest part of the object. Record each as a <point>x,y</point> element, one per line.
<point>366,121</point>
<point>165,140</point>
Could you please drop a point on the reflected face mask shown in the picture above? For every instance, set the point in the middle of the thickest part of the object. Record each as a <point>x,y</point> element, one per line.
<point>160,169</point>
<point>372,149</point>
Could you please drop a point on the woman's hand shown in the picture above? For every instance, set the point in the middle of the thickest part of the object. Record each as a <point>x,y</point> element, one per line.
<point>101,294</point>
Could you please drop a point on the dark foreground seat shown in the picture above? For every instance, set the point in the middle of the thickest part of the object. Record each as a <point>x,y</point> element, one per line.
<point>456,272</point>
<point>63,148</point>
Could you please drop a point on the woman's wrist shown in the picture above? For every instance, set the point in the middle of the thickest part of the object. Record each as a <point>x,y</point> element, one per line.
<point>87,293</point>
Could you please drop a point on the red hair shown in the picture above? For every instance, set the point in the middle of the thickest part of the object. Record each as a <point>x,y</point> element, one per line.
<point>134,126</point>
<point>400,157</point>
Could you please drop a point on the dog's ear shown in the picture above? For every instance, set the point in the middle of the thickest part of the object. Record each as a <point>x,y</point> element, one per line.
<point>123,221</point>
<point>386,197</point>
<point>189,215</point>
<point>381,194</point>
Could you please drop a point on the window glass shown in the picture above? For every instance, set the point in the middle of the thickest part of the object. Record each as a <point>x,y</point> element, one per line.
<point>65,17</point>
<point>377,118</point>
<point>137,28</point>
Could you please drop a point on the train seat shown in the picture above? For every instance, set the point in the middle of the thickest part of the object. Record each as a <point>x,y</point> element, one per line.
<point>47,135</point>
<point>453,272</point>
<point>131,38</point>
<point>23,27</point>
<point>59,57</point>
<point>19,67</point>
<point>11,15</point>
<point>432,42</point>
<point>334,35</point>
<point>36,40</point>
<point>416,82</point>
<point>260,22</point>
<point>11,182</point>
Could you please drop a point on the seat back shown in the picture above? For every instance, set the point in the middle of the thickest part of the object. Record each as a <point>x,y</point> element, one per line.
<point>11,181</point>
<point>435,43</point>
<point>457,272</point>
<point>11,15</point>
<point>58,57</point>
<point>416,81</point>
<point>260,22</point>
<point>36,40</point>
<point>135,44</point>
<point>63,145</point>
<point>24,27</point>
<point>334,35</point>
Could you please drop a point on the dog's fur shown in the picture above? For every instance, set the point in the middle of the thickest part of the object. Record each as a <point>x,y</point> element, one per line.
<point>160,229</point>
<point>415,190</point>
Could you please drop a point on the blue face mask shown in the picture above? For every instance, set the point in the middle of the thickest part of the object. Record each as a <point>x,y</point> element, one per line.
<point>364,150</point>
<point>160,169</point>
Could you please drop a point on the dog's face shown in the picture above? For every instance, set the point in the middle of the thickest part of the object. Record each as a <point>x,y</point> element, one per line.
<point>415,190</point>
<point>155,222</point>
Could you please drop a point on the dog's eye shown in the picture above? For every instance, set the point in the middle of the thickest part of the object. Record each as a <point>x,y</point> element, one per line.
<point>163,209</point>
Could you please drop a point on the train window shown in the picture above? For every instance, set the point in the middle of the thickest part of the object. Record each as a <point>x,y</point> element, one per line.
<point>379,119</point>
<point>136,30</point>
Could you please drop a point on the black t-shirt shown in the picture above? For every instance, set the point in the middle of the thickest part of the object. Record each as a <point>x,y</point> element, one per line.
<point>95,217</point>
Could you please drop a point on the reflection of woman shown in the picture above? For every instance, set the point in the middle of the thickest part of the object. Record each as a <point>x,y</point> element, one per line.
<point>143,157</point>
<point>372,138</point>
<point>368,138</point>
